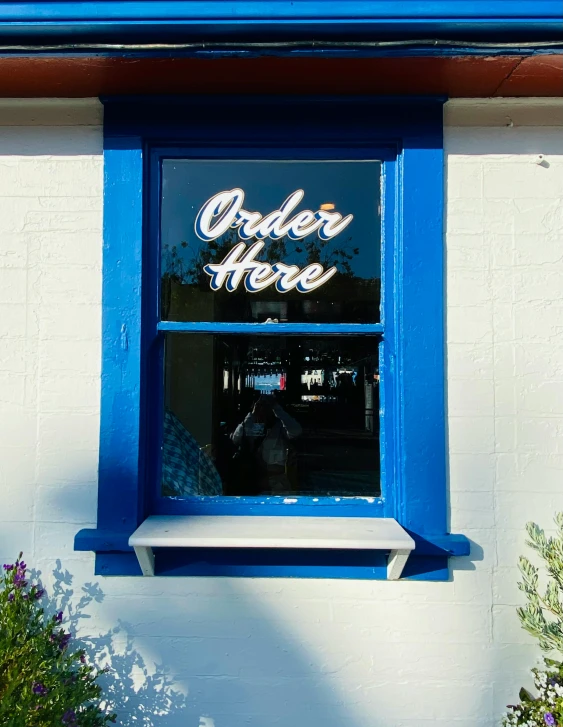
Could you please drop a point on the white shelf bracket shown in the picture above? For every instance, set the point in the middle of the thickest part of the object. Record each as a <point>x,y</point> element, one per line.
<point>395,564</point>
<point>145,556</point>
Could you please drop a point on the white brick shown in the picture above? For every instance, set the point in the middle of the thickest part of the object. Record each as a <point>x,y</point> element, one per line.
<point>529,472</point>
<point>473,397</point>
<point>470,360</point>
<point>465,217</point>
<point>469,324</point>
<point>466,252</point>
<point>12,391</point>
<point>537,249</point>
<point>69,393</point>
<point>471,472</point>
<point>472,510</point>
<point>505,587</point>
<point>13,285</point>
<point>17,429</point>
<point>66,503</point>
<point>13,322</point>
<point>15,536</point>
<point>71,248</point>
<point>57,465</point>
<point>511,179</point>
<point>539,361</point>
<point>507,628</point>
<point>505,434</point>
<point>18,499</point>
<point>81,322</point>
<point>515,509</point>
<point>76,357</point>
<point>540,435</point>
<point>465,181</point>
<point>468,286</point>
<point>535,322</point>
<point>69,430</point>
<point>57,284</point>
<point>471,434</point>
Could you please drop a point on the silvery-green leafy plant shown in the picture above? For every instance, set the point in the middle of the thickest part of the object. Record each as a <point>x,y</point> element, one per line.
<point>44,682</point>
<point>542,616</point>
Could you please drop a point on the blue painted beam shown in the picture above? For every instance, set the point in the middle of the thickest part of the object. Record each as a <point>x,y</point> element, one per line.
<point>395,11</point>
<point>227,19</point>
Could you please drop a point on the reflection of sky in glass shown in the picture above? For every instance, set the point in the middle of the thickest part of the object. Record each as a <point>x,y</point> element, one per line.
<point>353,187</point>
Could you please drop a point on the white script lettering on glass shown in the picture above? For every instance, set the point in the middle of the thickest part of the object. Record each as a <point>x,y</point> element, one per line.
<point>224,211</point>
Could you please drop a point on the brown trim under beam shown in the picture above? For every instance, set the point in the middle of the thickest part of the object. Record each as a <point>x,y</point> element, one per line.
<point>451,76</point>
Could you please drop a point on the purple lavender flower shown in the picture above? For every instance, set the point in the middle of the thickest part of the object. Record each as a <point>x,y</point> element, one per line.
<point>69,718</point>
<point>8,567</point>
<point>58,617</point>
<point>19,579</point>
<point>22,566</point>
<point>549,719</point>
<point>39,689</point>
<point>39,593</point>
<point>83,658</point>
<point>63,641</point>
<point>10,597</point>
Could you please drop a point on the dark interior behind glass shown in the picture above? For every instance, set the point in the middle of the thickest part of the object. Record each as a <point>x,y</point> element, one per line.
<point>283,415</point>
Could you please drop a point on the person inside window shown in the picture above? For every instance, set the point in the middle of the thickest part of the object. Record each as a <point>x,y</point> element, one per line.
<point>264,453</point>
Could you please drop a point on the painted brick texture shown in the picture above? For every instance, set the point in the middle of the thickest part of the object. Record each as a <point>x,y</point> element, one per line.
<point>229,652</point>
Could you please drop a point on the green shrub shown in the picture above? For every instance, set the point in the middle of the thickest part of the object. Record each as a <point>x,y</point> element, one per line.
<point>542,617</point>
<point>44,682</point>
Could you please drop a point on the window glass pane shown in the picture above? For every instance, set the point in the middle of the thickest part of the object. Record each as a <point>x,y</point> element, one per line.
<point>256,415</point>
<point>305,237</point>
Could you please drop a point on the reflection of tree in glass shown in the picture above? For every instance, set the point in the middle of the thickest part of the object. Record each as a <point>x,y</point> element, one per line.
<point>187,267</point>
<point>185,285</point>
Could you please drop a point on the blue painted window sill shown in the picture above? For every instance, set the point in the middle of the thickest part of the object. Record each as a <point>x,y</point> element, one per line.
<point>428,562</point>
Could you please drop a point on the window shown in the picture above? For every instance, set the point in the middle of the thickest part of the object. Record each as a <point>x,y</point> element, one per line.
<point>273,326</point>
<point>253,415</point>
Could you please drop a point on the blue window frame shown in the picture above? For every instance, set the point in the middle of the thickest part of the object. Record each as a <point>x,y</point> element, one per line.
<point>406,135</point>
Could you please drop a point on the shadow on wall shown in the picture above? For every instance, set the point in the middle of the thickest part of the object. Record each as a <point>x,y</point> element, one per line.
<point>140,693</point>
<point>239,667</point>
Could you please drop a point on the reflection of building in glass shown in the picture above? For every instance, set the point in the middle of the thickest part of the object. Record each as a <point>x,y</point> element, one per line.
<point>314,376</point>
<point>327,385</point>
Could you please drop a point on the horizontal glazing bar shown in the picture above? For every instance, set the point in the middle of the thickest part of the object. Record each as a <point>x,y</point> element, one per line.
<point>273,329</point>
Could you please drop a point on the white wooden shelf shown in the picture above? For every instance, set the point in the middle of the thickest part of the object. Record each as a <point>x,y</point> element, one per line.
<point>256,531</point>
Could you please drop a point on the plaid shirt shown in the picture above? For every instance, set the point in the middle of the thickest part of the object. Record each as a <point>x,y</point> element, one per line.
<point>186,469</point>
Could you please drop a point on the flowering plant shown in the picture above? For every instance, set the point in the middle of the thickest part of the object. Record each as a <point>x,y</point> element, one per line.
<point>43,681</point>
<point>542,617</point>
<point>547,707</point>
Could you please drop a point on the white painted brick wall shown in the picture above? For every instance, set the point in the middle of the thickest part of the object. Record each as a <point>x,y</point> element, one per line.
<point>283,652</point>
